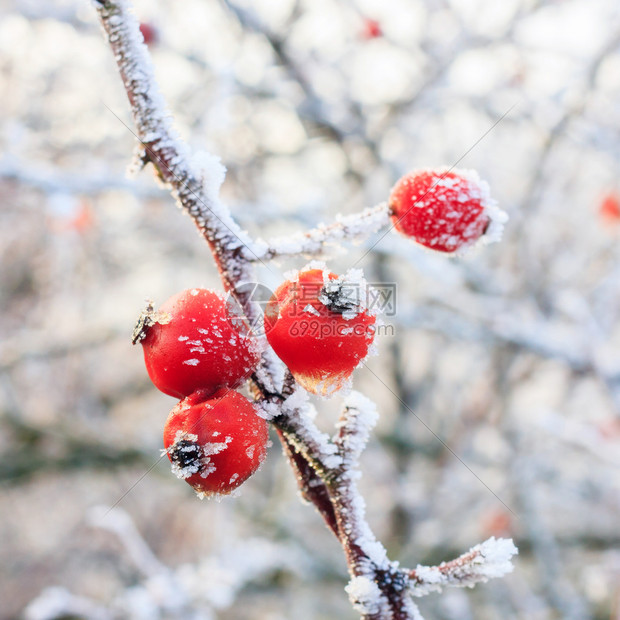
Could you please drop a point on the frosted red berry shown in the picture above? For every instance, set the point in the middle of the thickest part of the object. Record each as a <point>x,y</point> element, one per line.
<point>445,210</point>
<point>372,29</point>
<point>196,342</point>
<point>149,33</point>
<point>319,327</point>
<point>609,208</point>
<point>215,444</point>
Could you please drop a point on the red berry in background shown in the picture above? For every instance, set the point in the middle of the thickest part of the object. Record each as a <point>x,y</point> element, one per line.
<point>445,210</point>
<point>609,429</point>
<point>215,444</point>
<point>609,209</point>
<point>319,328</point>
<point>83,220</point>
<point>195,342</point>
<point>149,33</point>
<point>372,29</point>
<point>496,523</point>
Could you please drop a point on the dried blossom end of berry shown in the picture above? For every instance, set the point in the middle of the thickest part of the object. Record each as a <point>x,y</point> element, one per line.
<point>148,317</point>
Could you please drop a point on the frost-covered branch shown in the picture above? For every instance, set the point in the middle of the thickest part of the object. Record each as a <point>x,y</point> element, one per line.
<point>354,227</point>
<point>378,587</point>
<point>188,591</point>
<point>313,106</point>
<point>326,469</point>
<point>558,590</point>
<point>195,181</point>
<point>488,560</point>
<point>55,181</point>
<point>307,439</point>
<point>120,523</point>
<point>311,486</point>
<point>56,602</point>
<point>357,420</point>
<point>543,338</point>
<point>197,193</point>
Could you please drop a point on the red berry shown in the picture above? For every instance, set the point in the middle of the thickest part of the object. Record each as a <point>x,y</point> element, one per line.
<point>372,29</point>
<point>149,33</point>
<point>609,208</point>
<point>496,523</point>
<point>444,210</point>
<point>217,444</point>
<point>195,343</point>
<point>319,328</point>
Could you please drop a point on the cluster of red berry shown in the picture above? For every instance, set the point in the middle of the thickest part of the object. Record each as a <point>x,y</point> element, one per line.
<point>198,349</point>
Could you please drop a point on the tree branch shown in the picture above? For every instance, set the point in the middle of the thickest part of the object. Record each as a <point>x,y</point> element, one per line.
<point>350,228</point>
<point>195,182</point>
<point>326,469</point>
<point>485,561</point>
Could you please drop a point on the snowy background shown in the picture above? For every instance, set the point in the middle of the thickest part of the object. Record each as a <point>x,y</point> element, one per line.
<point>508,358</point>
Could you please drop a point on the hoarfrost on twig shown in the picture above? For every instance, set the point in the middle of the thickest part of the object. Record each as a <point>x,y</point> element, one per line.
<point>488,560</point>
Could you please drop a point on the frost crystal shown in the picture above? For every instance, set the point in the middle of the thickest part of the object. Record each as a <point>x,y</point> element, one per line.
<point>346,228</point>
<point>308,436</point>
<point>488,560</point>
<point>212,172</point>
<point>480,189</point>
<point>310,309</point>
<point>365,596</point>
<point>359,417</point>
